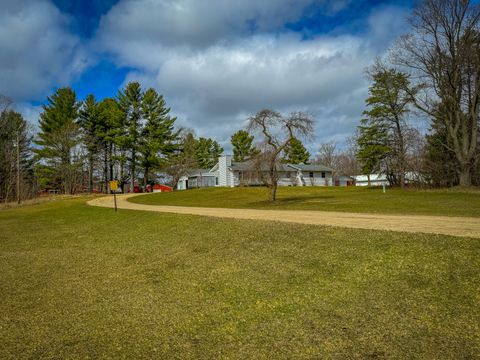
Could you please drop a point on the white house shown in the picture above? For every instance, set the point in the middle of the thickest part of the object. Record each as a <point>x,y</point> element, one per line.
<point>227,173</point>
<point>375,180</point>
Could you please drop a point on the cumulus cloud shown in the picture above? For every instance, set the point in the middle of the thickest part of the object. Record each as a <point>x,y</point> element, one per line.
<point>214,72</point>
<point>216,89</point>
<point>37,51</point>
<point>203,23</point>
<point>31,113</point>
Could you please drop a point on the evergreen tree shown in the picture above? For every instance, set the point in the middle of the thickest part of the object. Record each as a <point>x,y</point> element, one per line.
<point>183,158</point>
<point>130,101</point>
<point>109,131</point>
<point>296,153</point>
<point>372,148</point>
<point>440,160</point>
<point>207,152</point>
<point>387,107</point>
<point>159,136</point>
<point>59,137</point>
<point>90,122</point>
<point>243,148</point>
<point>16,165</point>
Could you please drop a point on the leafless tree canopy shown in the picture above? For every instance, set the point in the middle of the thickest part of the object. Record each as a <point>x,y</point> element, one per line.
<point>327,154</point>
<point>443,55</point>
<point>277,131</point>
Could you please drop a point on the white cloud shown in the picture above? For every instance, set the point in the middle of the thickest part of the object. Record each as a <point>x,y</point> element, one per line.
<point>214,72</point>
<point>216,62</point>
<point>216,89</point>
<point>37,51</point>
<point>30,113</point>
<point>202,23</point>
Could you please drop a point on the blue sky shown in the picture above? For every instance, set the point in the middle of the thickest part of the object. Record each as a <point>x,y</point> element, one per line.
<point>215,61</point>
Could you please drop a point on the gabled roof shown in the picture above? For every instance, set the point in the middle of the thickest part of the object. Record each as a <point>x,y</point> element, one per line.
<point>304,167</point>
<point>200,172</point>
<point>249,165</point>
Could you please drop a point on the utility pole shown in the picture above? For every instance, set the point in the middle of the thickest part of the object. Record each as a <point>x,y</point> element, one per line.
<point>18,166</point>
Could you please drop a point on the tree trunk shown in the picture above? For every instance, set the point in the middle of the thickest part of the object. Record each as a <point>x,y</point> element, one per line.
<point>90,175</point>
<point>273,192</point>
<point>145,179</point>
<point>132,183</point>
<point>18,167</point>
<point>368,178</point>
<point>465,176</point>
<point>110,153</point>
<point>105,169</point>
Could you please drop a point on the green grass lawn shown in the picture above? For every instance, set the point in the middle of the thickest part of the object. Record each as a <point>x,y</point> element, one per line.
<point>85,282</point>
<point>352,199</point>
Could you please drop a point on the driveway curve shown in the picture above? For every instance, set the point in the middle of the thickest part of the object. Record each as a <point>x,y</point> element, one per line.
<point>456,226</point>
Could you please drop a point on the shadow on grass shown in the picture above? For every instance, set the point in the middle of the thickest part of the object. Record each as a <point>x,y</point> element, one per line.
<point>294,200</point>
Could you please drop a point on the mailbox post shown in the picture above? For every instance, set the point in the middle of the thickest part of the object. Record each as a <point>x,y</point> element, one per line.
<point>114,188</point>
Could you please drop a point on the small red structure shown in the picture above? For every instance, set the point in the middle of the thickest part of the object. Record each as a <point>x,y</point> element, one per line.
<point>161,188</point>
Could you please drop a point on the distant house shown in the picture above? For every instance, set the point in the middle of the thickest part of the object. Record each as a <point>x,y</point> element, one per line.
<point>197,178</point>
<point>375,180</point>
<point>344,181</point>
<point>228,173</point>
<point>411,178</point>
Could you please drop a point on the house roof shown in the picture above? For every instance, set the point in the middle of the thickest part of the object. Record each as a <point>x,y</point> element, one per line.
<point>305,167</point>
<point>345,177</point>
<point>200,172</point>
<point>249,165</point>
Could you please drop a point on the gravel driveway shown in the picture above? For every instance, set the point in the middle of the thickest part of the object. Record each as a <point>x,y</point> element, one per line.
<point>457,226</point>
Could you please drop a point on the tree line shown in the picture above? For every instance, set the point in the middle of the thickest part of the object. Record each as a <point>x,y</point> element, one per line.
<point>82,145</point>
<point>432,73</point>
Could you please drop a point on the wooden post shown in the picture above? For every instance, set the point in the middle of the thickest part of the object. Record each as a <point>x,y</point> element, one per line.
<point>18,166</point>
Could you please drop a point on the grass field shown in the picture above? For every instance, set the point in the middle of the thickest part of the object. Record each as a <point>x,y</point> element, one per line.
<point>352,199</point>
<point>85,282</point>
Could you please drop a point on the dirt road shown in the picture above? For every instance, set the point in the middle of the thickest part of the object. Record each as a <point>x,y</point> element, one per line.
<point>457,226</point>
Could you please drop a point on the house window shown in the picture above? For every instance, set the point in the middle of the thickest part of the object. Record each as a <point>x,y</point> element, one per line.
<point>311,174</point>
<point>323,175</point>
<point>240,176</point>
<point>216,181</point>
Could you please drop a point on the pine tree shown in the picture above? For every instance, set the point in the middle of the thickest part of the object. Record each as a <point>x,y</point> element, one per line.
<point>207,152</point>
<point>183,158</point>
<point>90,122</point>
<point>159,136</point>
<point>59,137</point>
<point>16,165</point>
<point>130,101</point>
<point>440,160</point>
<point>296,153</point>
<point>387,108</point>
<point>109,131</point>
<point>372,148</point>
<point>243,148</point>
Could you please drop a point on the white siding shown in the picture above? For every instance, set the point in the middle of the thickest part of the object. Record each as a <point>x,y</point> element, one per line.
<point>317,179</point>
<point>225,177</point>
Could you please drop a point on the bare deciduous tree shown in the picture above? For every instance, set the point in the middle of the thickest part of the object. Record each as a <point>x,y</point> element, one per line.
<point>277,131</point>
<point>327,154</point>
<point>443,56</point>
<point>184,160</point>
<point>347,163</point>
